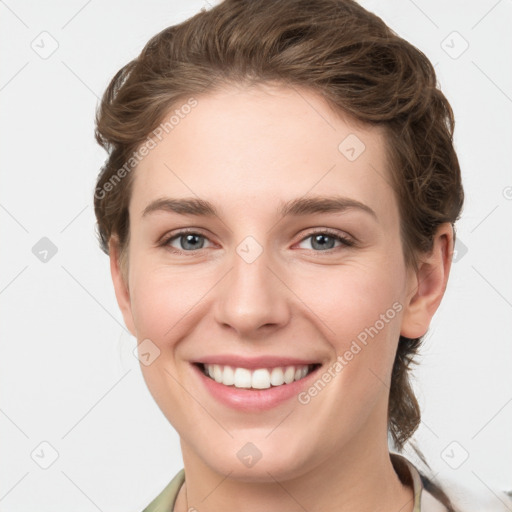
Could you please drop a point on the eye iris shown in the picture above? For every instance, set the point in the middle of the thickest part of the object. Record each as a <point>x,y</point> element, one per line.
<point>192,240</point>
<point>322,242</point>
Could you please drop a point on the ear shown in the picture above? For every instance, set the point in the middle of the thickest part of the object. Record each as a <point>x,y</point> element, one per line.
<point>427,284</point>
<point>121,285</point>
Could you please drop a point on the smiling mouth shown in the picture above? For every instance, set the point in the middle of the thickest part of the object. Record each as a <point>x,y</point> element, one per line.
<point>260,378</point>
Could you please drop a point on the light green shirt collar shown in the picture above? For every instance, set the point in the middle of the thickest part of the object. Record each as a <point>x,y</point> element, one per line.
<point>407,472</point>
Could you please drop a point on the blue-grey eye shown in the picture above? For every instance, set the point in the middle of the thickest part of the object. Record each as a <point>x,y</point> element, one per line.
<point>188,241</point>
<point>323,241</point>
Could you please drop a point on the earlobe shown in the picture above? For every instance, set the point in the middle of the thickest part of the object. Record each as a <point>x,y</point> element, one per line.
<point>120,282</point>
<point>428,284</point>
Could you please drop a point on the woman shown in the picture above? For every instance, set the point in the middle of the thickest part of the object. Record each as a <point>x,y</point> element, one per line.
<point>278,205</point>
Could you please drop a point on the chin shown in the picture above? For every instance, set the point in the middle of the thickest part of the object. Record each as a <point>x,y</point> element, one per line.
<point>258,462</point>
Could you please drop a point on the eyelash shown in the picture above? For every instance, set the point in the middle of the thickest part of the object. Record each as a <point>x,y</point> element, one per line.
<point>346,242</point>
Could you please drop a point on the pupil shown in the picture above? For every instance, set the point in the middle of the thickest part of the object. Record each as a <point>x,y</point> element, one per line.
<point>192,240</point>
<point>323,241</point>
<point>320,241</point>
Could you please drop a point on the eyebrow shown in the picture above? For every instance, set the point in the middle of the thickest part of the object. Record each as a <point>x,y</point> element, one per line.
<point>295,207</point>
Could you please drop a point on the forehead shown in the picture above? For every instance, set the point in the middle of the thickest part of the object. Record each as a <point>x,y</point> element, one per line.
<point>256,146</point>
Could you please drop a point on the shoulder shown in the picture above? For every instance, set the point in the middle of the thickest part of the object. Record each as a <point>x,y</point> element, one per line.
<point>448,496</point>
<point>164,502</point>
<point>464,499</point>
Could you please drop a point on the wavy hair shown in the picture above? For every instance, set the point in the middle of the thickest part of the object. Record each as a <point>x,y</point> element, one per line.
<point>335,48</point>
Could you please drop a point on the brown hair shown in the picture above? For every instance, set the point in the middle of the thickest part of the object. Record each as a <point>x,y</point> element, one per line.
<point>333,47</point>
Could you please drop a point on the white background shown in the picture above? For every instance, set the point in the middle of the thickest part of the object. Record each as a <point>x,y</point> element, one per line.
<point>67,373</point>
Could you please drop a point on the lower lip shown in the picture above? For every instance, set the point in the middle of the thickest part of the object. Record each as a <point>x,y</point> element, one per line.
<point>254,399</point>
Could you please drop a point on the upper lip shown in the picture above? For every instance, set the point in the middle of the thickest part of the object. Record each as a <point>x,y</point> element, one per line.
<point>237,361</point>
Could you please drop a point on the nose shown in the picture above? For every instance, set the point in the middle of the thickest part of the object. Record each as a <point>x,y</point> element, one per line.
<point>252,300</point>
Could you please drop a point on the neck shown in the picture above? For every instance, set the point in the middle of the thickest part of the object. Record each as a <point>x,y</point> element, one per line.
<point>360,477</point>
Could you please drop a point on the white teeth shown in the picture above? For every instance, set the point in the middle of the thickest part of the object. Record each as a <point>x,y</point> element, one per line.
<point>261,378</point>
<point>217,373</point>
<point>242,378</point>
<point>289,374</point>
<point>228,376</point>
<point>277,377</point>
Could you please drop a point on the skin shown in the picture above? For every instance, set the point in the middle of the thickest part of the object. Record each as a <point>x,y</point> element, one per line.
<point>247,151</point>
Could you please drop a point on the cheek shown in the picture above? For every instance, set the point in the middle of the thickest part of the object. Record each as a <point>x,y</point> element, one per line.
<point>166,306</point>
<point>363,315</point>
<point>162,299</point>
<point>359,310</point>
<point>350,298</point>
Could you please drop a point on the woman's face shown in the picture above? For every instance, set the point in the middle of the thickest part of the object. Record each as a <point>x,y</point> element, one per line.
<point>264,235</point>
